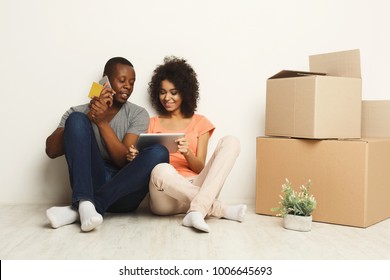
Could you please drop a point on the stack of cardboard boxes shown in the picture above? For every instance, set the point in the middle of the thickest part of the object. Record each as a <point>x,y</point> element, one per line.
<point>315,124</point>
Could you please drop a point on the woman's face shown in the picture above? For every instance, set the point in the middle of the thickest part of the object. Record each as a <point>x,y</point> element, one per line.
<point>170,97</point>
<point>122,82</point>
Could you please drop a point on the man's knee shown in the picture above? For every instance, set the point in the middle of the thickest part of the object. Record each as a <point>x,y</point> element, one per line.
<point>160,153</point>
<point>76,121</point>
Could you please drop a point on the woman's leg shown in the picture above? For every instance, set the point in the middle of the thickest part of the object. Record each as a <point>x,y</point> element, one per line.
<point>170,192</point>
<point>211,180</point>
<point>160,203</point>
<point>213,176</point>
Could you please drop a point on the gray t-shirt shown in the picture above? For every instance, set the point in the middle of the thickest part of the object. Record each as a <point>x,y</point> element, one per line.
<point>131,118</point>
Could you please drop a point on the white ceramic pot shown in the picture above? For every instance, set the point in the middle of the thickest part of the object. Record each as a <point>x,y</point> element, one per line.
<point>298,223</point>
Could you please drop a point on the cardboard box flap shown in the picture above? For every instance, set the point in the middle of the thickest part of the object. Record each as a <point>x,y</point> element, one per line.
<point>339,64</point>
<point>294,74</point>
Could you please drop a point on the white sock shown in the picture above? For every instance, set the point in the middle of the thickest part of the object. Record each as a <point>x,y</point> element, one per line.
<point>89,218</point>
<point>235,212</point>
<point>61,216</point>
<point>195,219</point>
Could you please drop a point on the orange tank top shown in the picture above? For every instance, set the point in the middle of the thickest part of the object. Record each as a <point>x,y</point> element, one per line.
<point>198,126</point>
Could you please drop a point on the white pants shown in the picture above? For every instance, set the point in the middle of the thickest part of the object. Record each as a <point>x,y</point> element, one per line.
<point>172,193</point>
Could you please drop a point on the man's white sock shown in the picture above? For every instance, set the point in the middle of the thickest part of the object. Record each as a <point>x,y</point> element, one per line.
<point>89,217</point>
<point>61,216</point>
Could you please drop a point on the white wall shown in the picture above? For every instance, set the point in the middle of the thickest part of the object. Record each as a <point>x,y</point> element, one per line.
<point>51,51</point>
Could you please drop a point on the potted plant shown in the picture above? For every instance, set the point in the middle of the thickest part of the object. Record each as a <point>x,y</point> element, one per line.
<point>296,207</point>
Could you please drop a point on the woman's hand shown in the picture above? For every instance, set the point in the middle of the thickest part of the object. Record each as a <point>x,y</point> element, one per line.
<point>132,153</point>
<point>183,146</point>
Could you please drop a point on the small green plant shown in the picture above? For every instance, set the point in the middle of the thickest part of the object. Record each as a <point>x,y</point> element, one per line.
<point>300,203</point>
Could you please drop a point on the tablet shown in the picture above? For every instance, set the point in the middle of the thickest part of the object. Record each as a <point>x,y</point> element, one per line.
<point>166,139</point>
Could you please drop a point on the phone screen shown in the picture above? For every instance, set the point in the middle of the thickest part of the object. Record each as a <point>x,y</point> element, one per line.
<point>104,80</point>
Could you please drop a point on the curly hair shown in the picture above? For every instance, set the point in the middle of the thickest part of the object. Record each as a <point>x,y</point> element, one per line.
<point>182,75</point>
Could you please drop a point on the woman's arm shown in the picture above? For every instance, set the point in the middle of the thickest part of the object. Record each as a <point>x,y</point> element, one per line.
<point>195,162</point>
<point>55,143</point>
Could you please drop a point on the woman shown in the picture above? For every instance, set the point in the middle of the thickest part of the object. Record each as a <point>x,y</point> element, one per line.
<point>95,138</point>
<point>187,184</point>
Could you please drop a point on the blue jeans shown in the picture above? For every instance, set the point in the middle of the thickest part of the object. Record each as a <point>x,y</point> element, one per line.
<point>91,178</point>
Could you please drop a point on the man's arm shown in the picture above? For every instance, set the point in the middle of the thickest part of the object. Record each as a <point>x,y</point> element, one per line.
<point>55,143</point>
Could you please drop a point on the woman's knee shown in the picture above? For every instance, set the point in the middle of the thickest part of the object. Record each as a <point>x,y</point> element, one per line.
<point>159,172</point>
<point>158,209</point>
<point>161,204</point>
<point>232,143</point>
<point>157,199</point>
<point>154,204</point>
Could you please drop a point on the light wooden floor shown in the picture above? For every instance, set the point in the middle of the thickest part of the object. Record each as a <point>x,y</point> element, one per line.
<point>26,234</point>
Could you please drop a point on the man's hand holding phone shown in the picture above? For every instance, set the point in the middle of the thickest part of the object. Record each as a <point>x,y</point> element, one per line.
<point>107,92</point>
<point>98,89</point>
<point>101,99</point>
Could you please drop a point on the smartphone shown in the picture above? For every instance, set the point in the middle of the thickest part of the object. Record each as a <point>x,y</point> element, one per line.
<point>96,88</point>
<point>105,80</point>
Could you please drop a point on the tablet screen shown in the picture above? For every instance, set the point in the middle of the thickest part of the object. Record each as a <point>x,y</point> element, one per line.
<point>167,139</point>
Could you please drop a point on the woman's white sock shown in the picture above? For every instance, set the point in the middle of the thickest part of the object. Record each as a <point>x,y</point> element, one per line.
<point>61,215</point>
<point>235,212</point>
<point>195,219</point>
<point>89,217</point>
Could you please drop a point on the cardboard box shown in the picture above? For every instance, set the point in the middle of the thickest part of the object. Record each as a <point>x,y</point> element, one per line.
<point>323,103</point>
<point>376,118</point>
<point>350,178</point>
